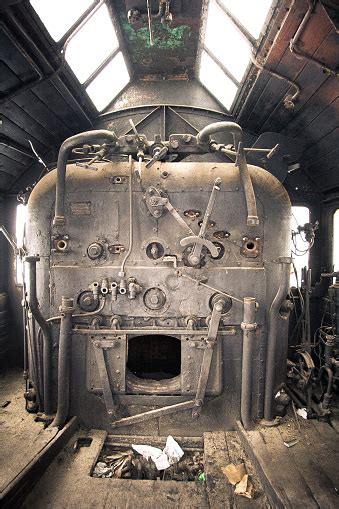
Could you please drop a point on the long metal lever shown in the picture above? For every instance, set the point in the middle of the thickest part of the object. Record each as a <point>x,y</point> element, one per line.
<point>200,241</point>
<point>207,358</point>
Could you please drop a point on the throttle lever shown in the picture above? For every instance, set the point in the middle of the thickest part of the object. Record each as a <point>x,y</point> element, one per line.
<point>200,241</point>
<point>158,154</point>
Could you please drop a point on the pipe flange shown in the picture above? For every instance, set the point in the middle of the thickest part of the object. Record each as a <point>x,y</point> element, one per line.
<point>249,326</point>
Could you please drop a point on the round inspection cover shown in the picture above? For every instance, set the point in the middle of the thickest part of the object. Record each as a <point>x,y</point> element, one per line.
<point>154,298</point>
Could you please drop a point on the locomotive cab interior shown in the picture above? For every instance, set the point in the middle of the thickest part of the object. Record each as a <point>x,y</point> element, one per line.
<point>169,253</point>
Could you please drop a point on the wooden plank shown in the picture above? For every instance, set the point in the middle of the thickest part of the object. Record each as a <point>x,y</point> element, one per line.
<point>19,134</point>
<point>22,119</point>
<point>22,484</point>
<point>7,165</point>
<point>219,490</point>
<point>316,104</point>
<point>71,120</point>
<point>278,48</point>
<point>14,60</point>
<point>329,179</point>
<point>291,66</point>
<point>321,485</point>
<point>310,80</point>
<point>323,147</point>
<point>326,161</point>
<point>237,455</point>
<point>278,473</point>
<point>44,115</point>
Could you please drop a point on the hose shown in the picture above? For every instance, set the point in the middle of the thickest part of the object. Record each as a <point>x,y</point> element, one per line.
<point>81,138</point>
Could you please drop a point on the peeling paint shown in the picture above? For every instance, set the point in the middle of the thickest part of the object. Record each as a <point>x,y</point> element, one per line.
<point>163,37</point>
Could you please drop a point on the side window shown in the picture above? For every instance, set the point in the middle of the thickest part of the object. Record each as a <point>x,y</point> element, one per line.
<point>335,252</point>
<point>300,251</point>
<point>21,216</point>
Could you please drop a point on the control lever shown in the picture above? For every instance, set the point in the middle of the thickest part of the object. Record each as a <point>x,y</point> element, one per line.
<point>159,153</point>
<point>200,241</point>
<point>155,203</point>
<point>213,328</point>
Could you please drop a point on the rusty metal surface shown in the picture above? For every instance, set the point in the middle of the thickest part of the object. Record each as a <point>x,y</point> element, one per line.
<point>188,290</point>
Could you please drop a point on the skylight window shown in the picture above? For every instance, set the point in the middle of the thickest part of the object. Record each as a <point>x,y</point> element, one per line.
<point>251,14</point>
<point>226,43</point>
<point>215,80</point>
<point>109,82</point>
<point>232,28</point>
<point>59,15</point>
<point>92,44</point>
<point>92,47</point>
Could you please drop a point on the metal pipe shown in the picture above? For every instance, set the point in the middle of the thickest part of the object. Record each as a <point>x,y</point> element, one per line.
<point>78,139</point>
<point>46,331</point>
<point>328,394</point>
<point>122,268</point>
<point>289,100</point>
<point>295,50</point>
<point>203,136</point>
<point>272,333</point>
<point>149,16</point>
<point>67,309</point>
<point>251,204</point>
<point>249,327</point>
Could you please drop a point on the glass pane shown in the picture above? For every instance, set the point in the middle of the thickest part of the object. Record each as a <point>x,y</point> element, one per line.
<point>106,86</point>
<point>226,42</point>
<point>300,216</point>
<point>216,81</point>
<point>92,44</point>
<point>59,15</point>
<point>251,14</point>
<point>336,240</point>
<point>21,217</point>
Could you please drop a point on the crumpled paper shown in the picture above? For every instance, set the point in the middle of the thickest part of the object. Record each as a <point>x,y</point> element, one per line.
<point>163,459</point>
<point>237,475</point>
<point>244,488</point>
<point>234,473</point>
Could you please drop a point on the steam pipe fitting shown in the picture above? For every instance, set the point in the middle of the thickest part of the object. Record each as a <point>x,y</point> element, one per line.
<point>122,286</point>
<point>67,310</point>
<point>46,332</point>
<point>272,332</point>
<point>73,141</point>
<point>251,204</point>
<point>116,322</point>
<point>203,136</point>
<point>114,290</point>
<point>104,286</point>
<point>248,327</point>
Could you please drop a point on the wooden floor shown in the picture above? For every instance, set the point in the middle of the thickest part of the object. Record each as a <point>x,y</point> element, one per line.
<point>305,475</point>
<point>21,438</point>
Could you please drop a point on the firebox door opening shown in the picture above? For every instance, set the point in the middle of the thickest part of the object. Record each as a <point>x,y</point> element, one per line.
<point>154,357</point>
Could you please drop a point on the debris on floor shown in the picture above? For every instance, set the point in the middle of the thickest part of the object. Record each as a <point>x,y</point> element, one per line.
<point>244,488</point>
<point>5,403</point>
<point>151,463</point>
<point>162,458</point>
<point>291,443</point>
<point>237,475</point>
<point>234,473</point>
<point>302,412</point>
